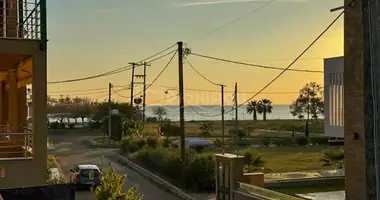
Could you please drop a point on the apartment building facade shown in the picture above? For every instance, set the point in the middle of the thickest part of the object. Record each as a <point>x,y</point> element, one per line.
<point>22,62</point>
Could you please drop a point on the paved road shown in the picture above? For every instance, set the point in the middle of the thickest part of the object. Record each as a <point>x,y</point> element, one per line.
<point>72,149</point>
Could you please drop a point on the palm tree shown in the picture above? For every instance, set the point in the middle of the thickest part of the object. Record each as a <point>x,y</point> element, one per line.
<point>264,107</point>
<point>252,109</point>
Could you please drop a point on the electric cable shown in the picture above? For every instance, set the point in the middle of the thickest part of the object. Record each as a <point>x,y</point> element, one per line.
<point>119,70</point>
<point>235,20</point>
<point>166,98</point>
<point>158,76</point>
<point>294,61</point>
<point>84,90</point>
<point>119,94</point>
<point>253,65</point>
<point>200,74</point>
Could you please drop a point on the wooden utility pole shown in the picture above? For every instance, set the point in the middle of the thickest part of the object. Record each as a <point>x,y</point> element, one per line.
<point>132,81</point>
<point>181,110</point>
<point>236,107</point>
<point>109,112</point>
<point>144,91</point>
<point>222,87</point>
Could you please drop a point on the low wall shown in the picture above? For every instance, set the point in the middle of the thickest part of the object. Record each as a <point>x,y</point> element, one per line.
<point>241,195</point>
<point>48,192</point>
<point>304,182</point>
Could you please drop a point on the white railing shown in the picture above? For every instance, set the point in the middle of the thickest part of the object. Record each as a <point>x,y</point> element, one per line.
<point>20,19</point>
<point>334,96</point>
<point>15,145</point>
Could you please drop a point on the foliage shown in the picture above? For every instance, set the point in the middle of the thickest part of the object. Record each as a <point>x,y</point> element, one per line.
<point>151,119</point>
<point>94,125</point>
<point>302,140</point>
<point>285,141</point>
<point>253,160</point>
<point>101,110</point>
<point>131,128</point>
<point>112,187</point>
<point>206,129</point>
<point>166,143</point>
<point>167,162</point>
<point>218,142</point>
<point>170,130</point>
<point>128,145</point>
<point>265,107</point>
<point>240,132</point>
<point>309,102</point>
<point>252,108</point>
<point>71,125</point>
<point>319,140</point>
<point>160,112</point>
<point>153,142</point>
<point>266,141</point>
<point>51,179</point>
<point>333,157</point>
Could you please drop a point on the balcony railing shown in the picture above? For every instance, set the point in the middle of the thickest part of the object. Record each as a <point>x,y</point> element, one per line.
<point>15,145</point>
<point>22,19</point>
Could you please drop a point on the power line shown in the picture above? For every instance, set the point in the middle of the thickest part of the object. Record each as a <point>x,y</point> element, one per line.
<point>119,94</point>
<point>253,65</point>
<point>200,74</point>
<point>119,70</point>
<point>295,60</point>
<point>162,71</point>
<point>235,20</point>
<point>164,99</point>
<point>84,90</point>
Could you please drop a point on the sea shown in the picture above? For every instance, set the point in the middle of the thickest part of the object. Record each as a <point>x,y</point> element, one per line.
<point>210,112</point>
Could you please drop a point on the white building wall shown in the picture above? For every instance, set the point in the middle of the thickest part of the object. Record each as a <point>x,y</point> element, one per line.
<point>334,93</point>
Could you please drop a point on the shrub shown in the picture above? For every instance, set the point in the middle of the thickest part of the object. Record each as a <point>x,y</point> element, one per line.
<point>218,142</point>
<point>333,157</point>
<point>71,125</point>
<point>319,140</point>
<point>128,145</point>
<point>201,171</point>
<point>54,125</point>
<point>165,143</point>
<point>241,143</point>
<point>152,142</point>
<point>141,143</point>
<point>266,141</point>
<point>94,124</point>
<point>286,141</point>
<point>170,130</point>
<point>302,140</point>
<point>253,160</point>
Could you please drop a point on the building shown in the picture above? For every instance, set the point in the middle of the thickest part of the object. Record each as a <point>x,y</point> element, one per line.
<point>333,95</point>
<point>23,41</point>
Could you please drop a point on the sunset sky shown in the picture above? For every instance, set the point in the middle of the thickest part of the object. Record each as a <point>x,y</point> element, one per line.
<point>88,37</point>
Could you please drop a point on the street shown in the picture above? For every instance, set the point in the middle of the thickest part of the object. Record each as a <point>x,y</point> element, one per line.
<point>73,149</point>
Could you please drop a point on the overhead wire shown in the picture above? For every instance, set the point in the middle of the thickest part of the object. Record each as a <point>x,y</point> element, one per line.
<point>234,20</point>
<point>119,70</point>
<point>253,65</point>
<point>291,64</point>
<point>166,98</point>
<point>200,74</point>
<point>158,76</point>
<point>84,90</point>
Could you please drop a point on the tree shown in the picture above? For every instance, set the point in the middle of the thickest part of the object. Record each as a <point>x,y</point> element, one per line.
<point>112,187</point>
<point>252,109</point>
<point>309,102</point>
<point>264,107</point>
<point>160,112</point>
<point>101,109</point>
<point>333,157</point>
<point>206,129</point>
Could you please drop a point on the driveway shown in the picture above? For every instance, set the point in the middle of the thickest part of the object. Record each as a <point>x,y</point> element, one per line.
<point>73,149</point>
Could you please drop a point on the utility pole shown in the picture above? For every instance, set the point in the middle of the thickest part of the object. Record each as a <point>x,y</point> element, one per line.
<point>109,112</point>
<point>222,87</point>
<point>236,108</point>
<point>181,110</point>
<point>132,81</point>
<point>144,92</point>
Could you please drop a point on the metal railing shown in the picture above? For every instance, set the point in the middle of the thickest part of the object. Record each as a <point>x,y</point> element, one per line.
<point>15,145</point>
<point>21,19</point>
<point>265,193</point>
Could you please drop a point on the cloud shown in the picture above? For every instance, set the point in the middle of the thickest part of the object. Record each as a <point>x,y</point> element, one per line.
<point>212,2</point>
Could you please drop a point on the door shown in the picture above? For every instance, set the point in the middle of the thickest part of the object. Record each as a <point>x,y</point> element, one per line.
<point>223,181</point>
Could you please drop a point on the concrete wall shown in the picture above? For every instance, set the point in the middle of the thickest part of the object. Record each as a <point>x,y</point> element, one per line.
<point>30,172</point>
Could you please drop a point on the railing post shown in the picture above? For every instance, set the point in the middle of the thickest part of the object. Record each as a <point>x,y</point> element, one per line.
<point>25,146</point>
<point>43,25</point>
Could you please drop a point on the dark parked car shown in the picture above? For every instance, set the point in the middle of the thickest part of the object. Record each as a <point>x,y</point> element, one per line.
<point>80,175</point>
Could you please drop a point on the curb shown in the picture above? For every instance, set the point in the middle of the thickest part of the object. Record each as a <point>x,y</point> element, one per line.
<point>154,178</point>
<point>60,171</point>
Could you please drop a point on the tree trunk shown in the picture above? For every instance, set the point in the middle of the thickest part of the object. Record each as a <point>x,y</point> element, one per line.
<point>265,116</point>
<point>254,115</point>
<point>82,121</point>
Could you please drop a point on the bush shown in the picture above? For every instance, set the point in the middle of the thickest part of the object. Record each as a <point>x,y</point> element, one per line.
<point>253,160</point>
<point>218,142</point>
<point>54,125</point>
<point>170,130</point>
<point>152,142</point>
<point>201,171</point>
<point>266,141</point>
<point>333,157</point>
<point>241,143</point>
<point>128,145</point>
<point>94,124</point>
<point>165,143</point>
<point>302,140</point>
<point>319,140</point>
<point>283,141</point>
<point>141,143</point>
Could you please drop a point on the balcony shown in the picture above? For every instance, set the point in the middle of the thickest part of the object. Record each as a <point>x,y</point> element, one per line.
<point>22,19</point>
<point>15,146</point>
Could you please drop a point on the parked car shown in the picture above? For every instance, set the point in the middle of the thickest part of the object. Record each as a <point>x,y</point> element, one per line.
<point>194,143</point>
<point>80,175</point>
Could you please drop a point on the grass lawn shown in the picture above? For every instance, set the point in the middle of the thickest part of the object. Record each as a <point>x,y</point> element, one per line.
<point>103,142</point>
<point>295,158</point>
<point>192,127</point>
<point>51,161</point>
<point>310,189</point>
